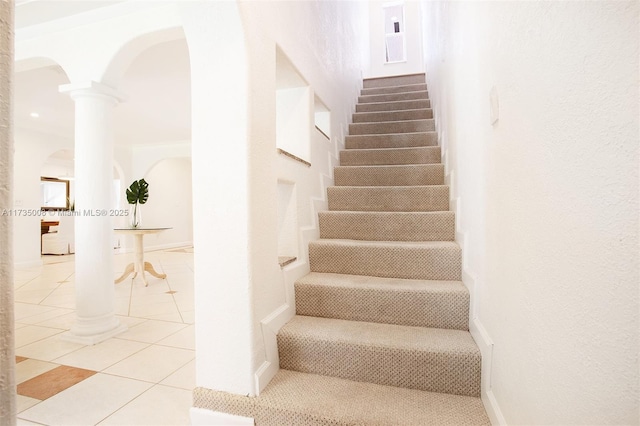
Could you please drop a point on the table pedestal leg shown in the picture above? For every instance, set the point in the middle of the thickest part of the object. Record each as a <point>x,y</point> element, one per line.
<point>149,268</point>
<point>138,259</point>
<point>127,271</point>
<point>139,266</point>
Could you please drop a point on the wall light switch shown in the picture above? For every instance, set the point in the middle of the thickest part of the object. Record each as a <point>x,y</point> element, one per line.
<point>493,105</point>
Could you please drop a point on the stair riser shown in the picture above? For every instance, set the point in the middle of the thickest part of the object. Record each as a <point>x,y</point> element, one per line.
<point>381,199</point>
<point>434,372</point>
<point>393,97</point>
<point>374,226</point>
<point>423,155</point>
<point>394,106</point>
<point>417,262</point>
<point>392,127</point>
<point>408,140</point>
<point>401,80</point>
<point>376,117</point>
<point>431,174</point>
<point>418,309</point>
<point>394,89</point>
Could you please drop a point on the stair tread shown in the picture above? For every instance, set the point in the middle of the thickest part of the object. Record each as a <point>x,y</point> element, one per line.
<point>396,105</point>
<point>302,398</point>
<point>391,150</point>
<point>372,334</point>
<point>389,198</point>
<point>396,93</point>
<point>386,123</point>
<point>392,89</point>
<point>412,302</point>
<point>390,156</point>
<point>408,111</point>
<point>391,134</point>
<point>392,166</point>
<point>428,260</point>
<point>394,244</point>
<point>378,283</point>
<point>386,97</point>
<point>399,187</point>
<point>387,226</point>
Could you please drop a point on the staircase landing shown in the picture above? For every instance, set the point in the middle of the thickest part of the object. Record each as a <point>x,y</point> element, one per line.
<point>294,398</point>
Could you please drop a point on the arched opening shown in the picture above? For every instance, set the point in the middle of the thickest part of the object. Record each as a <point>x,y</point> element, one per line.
<point>43,140</point>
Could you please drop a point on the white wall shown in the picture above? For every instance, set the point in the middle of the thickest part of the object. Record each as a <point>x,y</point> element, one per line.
<point>547,198</point>
<point>414,63</point>
<point>236,165</point>
<point>169,204</point>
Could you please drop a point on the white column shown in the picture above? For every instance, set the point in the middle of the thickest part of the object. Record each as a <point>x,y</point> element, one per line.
<point>7,335</point>
<point>94,134</point>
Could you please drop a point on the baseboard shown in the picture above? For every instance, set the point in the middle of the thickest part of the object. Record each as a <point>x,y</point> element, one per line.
<point>270,326</point>
<point>485,344</point>
<point>493,411</point>
<point>204,417</point>
<point>478,331</point>
<point>27,265</point>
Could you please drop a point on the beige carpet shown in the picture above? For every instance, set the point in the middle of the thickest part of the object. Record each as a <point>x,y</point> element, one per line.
<point>381,332</point>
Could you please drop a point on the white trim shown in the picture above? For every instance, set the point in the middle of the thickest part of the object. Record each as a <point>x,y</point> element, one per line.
<point>93,339</point>
<point>204,417</point>
<point>485,344</point>
<point>476,328</point>
<point>270,327</point>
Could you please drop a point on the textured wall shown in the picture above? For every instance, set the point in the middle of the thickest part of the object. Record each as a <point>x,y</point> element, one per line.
<point>7,354</point>
<point>234,140</point>
<point>548,196</point>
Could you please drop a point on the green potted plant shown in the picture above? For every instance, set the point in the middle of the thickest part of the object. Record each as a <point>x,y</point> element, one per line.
<point>137,193</point>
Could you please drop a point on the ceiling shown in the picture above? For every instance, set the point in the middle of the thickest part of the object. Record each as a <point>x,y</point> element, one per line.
<point>33,12</point>
<point>157,86</point>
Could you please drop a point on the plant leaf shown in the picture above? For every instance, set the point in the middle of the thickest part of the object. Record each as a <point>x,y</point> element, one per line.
<point>138,192</point>
<point>143,195</point>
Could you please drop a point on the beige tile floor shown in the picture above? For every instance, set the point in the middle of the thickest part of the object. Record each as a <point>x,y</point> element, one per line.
<point>142,377</point>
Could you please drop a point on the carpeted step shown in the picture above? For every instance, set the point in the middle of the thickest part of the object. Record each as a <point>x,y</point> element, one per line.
<point>402,175</point>
<point>428,260</point>
<point>420,303</point>
<point>387,226</point>
<point>398,140</point>
<point>390,156</point>
<point>294,398</point>
<point>393,97</point>
<point>429,359</point>
<point>407,114</point>
<point>395,89</point>
<point>393,106</point>
<point>399,80</point>
<point>386,127</point>
<point>389,199</point>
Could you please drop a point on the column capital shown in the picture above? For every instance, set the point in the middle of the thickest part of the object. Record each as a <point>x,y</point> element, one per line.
<point>92,88</point>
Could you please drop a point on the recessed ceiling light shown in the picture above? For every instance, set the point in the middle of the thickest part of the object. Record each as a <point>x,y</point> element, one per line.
<point>34,115</point>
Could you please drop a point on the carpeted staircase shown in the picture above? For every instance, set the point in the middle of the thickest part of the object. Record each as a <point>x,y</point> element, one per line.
<point>381,332</point>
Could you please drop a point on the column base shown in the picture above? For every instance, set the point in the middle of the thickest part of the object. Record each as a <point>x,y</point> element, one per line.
<point>82,335</point>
